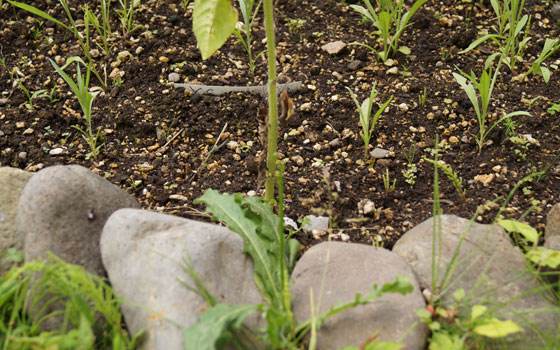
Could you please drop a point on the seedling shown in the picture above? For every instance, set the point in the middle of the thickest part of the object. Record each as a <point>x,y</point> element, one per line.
<point>366,121</point>
<point>31,97</point>
<point>390,22</point>
<point>85,98</point>
<point>387,185</point>
<point>555,108</point>
<point>126,15</point>
<point>521,147</point>
<point>485,86</point>
<point>243,30</point>
<point>295,24</point>
<point>549,48</point>
<point>422,98</point>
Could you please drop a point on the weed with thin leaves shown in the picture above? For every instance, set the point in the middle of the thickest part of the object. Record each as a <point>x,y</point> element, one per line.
<point>451,175</point>
<point>366,121</point>
<point>243,30</point>
<point>85,99</point>
<point>126,15</point>
<point>31,96</point>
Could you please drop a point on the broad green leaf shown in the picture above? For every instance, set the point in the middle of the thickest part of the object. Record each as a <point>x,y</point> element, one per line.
<point>423,314</point>
<point>213,23</point>
<point>214,326</point>
<point>477,311</point>
<point>495,328</point>
<point>527,231</point>
<point>404,50</point>
<point>544,257</point>
<point>259,241</point>
<point>469,90</point>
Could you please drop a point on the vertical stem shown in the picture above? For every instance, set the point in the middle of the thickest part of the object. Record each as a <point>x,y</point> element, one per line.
<point>272,101</point>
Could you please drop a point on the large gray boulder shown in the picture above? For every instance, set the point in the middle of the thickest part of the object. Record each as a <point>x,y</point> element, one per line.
<point>552,232</point>
<point>491,268</point>
<point>62,209</point>
<point>350,269</point>
<point>142,250</point>
<point>12,182</point>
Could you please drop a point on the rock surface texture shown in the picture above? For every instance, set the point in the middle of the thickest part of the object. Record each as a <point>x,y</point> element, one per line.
<point>12,182</point>
<point>62,209</point>
<point>493,262</point>
<point>552,232</point>
<point>351,269</point>
<point>141,251</point>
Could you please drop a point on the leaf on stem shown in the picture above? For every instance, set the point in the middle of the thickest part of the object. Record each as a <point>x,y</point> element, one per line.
<point>213,23</point>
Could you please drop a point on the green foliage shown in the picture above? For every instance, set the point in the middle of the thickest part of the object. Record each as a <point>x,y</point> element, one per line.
<point>82,298</point>
<point>244,32</point>
<point>485,86</point>
<point>366,121</point>
<point>529,233</point>
<point>85,98</point>
<point>83,39</point>
<point>126,15</point>
<point>390,23</point>
<point>387,185</point>
<point>264,241</point>
<point>102,27</point>
<point>549,48</point>
<point>213,23</point>
<point>31,97</point>
<point>555,108</point>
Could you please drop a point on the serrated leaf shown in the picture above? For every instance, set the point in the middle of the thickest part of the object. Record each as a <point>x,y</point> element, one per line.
<point>214,326</point>
<point>525,230</point>
<point>495,328</point>
<point>213,23</point>
<point>258,241</point>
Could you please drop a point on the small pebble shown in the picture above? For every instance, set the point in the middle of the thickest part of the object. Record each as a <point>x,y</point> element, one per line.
<point>555,12</point>
<point>174,77</point>
<point>392,70</point>
<point>56,151</point>
<point>334,47</point>
<point>22,155</point>
<point>3,101</point>
<point>28,131</point>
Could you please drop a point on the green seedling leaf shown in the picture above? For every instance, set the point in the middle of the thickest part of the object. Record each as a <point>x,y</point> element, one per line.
<point>477,311</point>
<point>404,50</point>
<point>39,13</point>
<point>213,23</point>
<point>424,315</point>
<point>525,230</point>
<point>495,328</point>
<point>214,326</point>
<point>545,74</point>
<point>544,257</point>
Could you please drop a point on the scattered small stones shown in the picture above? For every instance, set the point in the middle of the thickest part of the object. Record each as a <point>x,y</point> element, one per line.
<point>28,131</point>
<point>485,179</point>
<point>392,70</point>
<point>334,47</point>
<point>366,207</point>
<point>355,65</point>
<point>316,224</point>
<point>3,101</point>
<point>305,107</point>
<point>178,197</point>
<point>403,107</point>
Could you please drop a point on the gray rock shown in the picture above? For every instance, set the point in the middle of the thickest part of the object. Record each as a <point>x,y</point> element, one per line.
<point>62,209</point>
<point>493,270</point>
<point>174,77</point>
<point>555,12</point>
<point>552,223</point>
<point>12,182</point>
<point>354,268</point>
<point>354,65</point>
<point>140,251</point>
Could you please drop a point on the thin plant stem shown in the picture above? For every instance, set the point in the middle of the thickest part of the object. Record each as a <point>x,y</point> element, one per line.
<point>272,101</point>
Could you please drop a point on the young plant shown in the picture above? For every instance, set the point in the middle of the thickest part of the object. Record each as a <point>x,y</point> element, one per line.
<point>422,98</point>
<point>451,175</point>
<point>555,108</point>
<point>126,15</point>
<point>549,48</point>
<point>410,172</point>
<point>387,185</point>
<point>85,98</point>
<point>31,97</point>
<point>390,23</point>
<point>102,27</point>
<point>83,39</point>
<point>366,121</point>
<point>511,25</point>
<point>244,31</point>
<point>273,256</point>
<point>485,86</point>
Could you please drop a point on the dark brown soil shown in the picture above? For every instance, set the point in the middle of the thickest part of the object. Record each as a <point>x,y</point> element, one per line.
<point>145,113</point>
